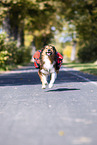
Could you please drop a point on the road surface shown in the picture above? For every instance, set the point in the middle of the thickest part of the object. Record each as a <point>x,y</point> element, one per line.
<point>63,115</point>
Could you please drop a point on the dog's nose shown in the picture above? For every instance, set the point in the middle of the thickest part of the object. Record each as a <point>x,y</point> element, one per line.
<point>49,50</point>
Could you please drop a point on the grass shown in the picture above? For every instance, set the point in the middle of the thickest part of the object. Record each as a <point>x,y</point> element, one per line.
<point>8,68</point>
<point>12,67</point>
<point>90,68</point>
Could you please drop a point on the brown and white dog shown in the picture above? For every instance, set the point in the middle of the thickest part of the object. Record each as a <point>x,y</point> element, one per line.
<point>48,66</point>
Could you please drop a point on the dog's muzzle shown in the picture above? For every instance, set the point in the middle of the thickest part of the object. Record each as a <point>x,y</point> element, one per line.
<point>49,52</point>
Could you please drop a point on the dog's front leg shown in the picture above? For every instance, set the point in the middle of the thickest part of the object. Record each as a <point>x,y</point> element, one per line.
<point>53,77</point>
<point>43,78</point>
<point>44,81</point>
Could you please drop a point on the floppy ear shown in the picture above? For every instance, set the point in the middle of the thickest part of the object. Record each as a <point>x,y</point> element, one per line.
<point>41,56</point>
<point>55,57</point>
<point>54,49</point>
<point>42,49</point>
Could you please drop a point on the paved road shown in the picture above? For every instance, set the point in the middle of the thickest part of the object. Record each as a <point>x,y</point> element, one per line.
<point>63,115</point>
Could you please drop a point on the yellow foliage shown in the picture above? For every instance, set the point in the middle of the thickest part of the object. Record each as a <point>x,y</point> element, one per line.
<point>67,51</point>
<point>28,39</point>
<point>61,133</point>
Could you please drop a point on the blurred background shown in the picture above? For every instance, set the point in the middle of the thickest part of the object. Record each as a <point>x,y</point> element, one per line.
<point>28,25</point>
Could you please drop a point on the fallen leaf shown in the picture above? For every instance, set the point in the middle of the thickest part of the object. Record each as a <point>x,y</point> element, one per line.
<point>61,133</point>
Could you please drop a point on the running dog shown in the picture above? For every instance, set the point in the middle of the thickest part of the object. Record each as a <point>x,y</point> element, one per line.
<point>48,65</point>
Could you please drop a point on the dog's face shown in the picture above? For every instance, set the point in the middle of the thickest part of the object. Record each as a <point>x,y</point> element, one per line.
<point>49,50</point>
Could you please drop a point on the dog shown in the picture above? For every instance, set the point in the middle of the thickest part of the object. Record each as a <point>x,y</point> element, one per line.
<point>48,65</point>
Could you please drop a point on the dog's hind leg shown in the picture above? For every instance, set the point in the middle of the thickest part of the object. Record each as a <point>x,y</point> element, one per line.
<point>53,77</point>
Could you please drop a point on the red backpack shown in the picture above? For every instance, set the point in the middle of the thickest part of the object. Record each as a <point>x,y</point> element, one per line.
<point>36,57</point>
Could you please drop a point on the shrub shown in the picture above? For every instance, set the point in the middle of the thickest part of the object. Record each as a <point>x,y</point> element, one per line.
<point>87,53</point>
<point>24,55</point>
<point>11,54</point>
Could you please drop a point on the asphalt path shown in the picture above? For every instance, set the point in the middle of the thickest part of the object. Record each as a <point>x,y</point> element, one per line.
<point>63,115</point>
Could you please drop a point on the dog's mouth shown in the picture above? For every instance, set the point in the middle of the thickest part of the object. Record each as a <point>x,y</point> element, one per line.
<point>49,52</point>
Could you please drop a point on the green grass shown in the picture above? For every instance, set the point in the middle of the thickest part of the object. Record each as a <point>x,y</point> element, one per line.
<point>90,68</point>
<point>7,68</point>
<point>12,67</point>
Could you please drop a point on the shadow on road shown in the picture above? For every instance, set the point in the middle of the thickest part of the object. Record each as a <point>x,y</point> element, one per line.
<point>62,89</point>
<point>29,76</point>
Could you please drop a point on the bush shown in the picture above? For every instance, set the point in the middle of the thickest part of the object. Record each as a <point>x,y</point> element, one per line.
<point>87,53</point>
<point>24,55</point>
<point>11,54</point>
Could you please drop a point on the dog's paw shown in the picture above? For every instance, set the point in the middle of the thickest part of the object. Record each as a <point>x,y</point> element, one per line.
<point>51,85</point>
<point>46,83</point>
<point>44,86</point>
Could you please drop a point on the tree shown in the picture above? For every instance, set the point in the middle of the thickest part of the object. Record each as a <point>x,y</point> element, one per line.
<point>40,21</point>
<point>35,16</point>
<point>14,16</point>
<point>83,14</point>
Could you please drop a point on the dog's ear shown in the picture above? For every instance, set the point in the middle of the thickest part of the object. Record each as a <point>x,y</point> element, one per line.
<point>42,49</point>
<point>54,49</point>
<point>41,55</point>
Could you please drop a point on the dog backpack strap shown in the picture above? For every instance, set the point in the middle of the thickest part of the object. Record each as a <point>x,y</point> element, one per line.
<point>36,57</point>
<point>36,64</point>
<point>59,60</point>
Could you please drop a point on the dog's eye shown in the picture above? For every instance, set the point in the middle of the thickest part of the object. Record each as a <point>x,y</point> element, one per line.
<point>46,47</point>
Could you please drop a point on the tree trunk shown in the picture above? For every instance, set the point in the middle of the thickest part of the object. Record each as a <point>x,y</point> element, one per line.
<point>22,35</point>
<point>73,53</point>
<point>14,31</point>
<point>6,26</point>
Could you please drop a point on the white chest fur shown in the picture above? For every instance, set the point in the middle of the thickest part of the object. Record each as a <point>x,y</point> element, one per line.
<point>48,65</point>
